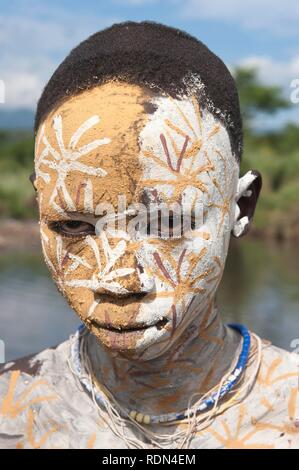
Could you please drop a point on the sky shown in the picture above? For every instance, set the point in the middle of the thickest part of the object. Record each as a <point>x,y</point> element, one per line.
<point>35,36</point>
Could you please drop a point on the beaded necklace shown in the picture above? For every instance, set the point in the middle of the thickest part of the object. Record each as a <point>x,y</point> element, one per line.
<point>208,402</point>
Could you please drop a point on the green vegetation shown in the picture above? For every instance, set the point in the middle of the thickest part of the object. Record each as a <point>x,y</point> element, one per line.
<point>277,158</point>
<point>17,199</point>
<point>274,154</point>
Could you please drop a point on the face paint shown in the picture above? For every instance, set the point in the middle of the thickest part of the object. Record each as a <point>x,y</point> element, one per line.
<point>136,294</point>
<point>186,158</point>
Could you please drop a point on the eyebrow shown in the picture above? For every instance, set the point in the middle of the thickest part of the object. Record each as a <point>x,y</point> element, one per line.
<point>69,215</point>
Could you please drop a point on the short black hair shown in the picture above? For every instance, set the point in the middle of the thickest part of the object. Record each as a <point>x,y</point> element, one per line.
<point>153,55</point>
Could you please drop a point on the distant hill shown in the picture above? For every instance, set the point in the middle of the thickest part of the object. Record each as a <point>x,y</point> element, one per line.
<point>16,119</point>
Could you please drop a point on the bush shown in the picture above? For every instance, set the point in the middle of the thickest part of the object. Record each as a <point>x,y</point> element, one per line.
<point>17,198</point>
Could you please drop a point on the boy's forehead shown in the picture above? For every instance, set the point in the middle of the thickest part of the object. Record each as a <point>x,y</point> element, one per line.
<point>89,149</point>
<point>96,130</point>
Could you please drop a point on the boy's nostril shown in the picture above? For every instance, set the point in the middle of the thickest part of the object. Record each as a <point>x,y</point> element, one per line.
<point>141,270</point>
<point>138,295</point>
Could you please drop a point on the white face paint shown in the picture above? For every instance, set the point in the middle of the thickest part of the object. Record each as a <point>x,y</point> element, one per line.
<point>184,157</point>
<point>65,159</point>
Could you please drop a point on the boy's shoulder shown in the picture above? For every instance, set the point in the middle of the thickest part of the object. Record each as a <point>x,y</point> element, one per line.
<point>42,405</point>
<point>28,392</point>
<point>268,416</point>
<point>278,366</point>
<point>34,365</point>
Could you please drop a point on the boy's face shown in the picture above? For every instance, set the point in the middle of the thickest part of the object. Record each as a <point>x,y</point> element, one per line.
<point>137,293</point>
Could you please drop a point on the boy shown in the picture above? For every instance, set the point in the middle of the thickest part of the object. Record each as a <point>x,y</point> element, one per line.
<point>138,145</point>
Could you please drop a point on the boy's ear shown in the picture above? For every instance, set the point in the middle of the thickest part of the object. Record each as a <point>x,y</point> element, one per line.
<point>32,178</point>
<point>249,187</point>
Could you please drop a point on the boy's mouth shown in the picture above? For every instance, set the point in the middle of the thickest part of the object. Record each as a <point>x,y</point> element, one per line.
<point>128,328</point>
<point>120,330</point>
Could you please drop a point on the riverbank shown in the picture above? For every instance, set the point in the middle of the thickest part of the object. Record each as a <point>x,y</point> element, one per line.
<point>19,235</point>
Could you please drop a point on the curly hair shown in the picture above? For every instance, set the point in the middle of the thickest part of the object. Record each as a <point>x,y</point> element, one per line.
<point>152,55</point>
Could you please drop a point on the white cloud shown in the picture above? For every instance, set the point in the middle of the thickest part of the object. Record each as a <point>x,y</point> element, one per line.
<point>275,72</point>
<point>33,42</point>
<point>275,16</point>
<point>22,90</point>
<point>35,38</point>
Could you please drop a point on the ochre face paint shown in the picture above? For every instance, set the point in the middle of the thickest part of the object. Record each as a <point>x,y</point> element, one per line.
<point>137,295</point>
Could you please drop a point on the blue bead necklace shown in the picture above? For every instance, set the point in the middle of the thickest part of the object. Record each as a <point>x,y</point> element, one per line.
<point>206,404</point>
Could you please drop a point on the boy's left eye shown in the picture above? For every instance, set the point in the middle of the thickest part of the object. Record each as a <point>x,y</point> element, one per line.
<point>74,228</point>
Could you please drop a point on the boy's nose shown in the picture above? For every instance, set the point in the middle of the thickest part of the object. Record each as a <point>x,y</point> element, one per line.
<point>137,282</point>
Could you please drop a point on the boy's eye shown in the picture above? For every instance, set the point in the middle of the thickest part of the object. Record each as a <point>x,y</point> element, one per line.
<point>73,228</point>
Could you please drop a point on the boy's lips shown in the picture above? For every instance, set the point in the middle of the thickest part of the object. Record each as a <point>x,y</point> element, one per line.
<point>116,326</point>
<point>129,328</point>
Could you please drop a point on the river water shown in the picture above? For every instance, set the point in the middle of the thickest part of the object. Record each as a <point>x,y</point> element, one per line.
<point>259,289</point>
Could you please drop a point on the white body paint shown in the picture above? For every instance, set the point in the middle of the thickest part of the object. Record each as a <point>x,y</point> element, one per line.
<point>65,160</point>
<point>214,149</point>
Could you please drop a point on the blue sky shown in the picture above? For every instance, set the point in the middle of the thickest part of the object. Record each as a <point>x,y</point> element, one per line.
<point>35,36</point>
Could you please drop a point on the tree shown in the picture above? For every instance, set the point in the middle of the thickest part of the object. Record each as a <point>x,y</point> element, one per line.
<point>255,97</point>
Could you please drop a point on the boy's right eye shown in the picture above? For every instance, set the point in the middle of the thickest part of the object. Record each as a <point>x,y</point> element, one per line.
<point>73,228</point>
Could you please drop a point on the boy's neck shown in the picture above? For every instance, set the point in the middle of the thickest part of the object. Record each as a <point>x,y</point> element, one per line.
<point>206,350</point>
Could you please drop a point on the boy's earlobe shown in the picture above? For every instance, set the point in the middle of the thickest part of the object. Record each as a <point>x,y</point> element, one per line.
<point>249,187</point>
<point>32,178</point>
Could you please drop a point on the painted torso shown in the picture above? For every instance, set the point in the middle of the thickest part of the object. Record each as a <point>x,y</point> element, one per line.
<point>43,405</point>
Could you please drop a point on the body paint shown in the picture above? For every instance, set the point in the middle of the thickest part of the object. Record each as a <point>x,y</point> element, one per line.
<point>145,299</point>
